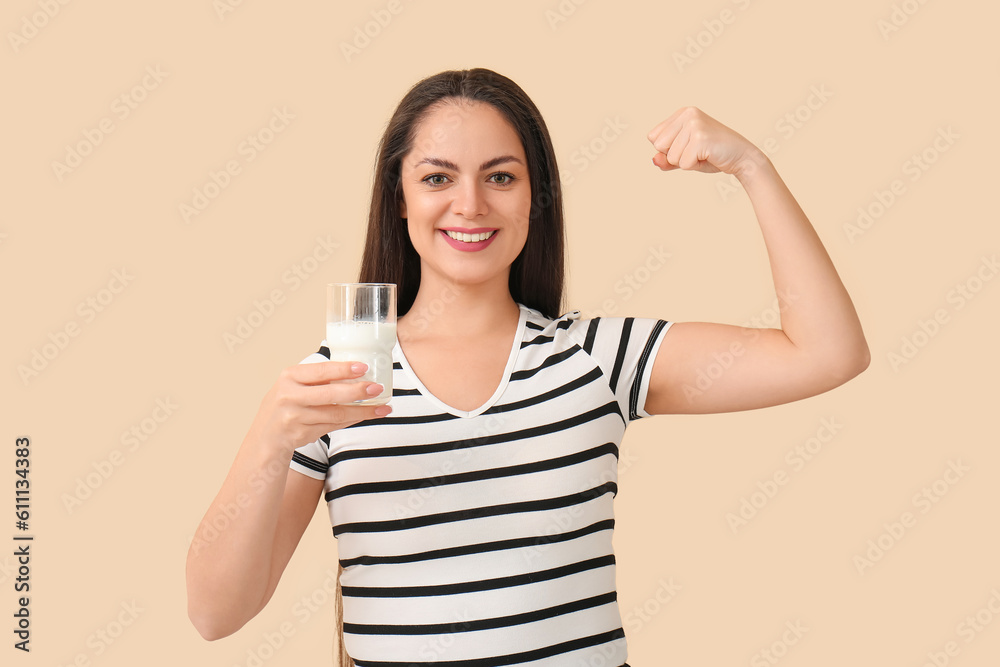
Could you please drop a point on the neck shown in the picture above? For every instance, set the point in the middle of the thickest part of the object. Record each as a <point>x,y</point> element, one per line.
<point>443,309</point>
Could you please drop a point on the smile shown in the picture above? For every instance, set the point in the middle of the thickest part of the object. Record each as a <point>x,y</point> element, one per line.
<point>472,240</point>
<point>469,238</point>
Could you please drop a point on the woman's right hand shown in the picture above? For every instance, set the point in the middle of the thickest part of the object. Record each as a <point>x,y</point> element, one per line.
<point>247,537</point>
<point>310,400</point>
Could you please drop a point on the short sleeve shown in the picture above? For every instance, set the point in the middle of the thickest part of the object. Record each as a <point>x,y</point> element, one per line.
<point>625,348</point>
<point>313,459</point>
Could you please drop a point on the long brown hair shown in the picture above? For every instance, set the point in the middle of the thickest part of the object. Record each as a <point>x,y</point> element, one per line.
<point>536,275</point>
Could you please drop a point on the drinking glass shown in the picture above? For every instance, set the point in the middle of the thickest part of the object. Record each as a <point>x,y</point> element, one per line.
<point>361,326</point>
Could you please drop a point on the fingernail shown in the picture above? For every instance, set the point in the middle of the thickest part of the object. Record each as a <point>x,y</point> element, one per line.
<point>383,410</point>
<point>374,389</point>
<point>359,368</point>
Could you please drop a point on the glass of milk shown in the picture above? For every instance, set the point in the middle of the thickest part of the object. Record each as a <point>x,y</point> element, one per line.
<point>361,326</point>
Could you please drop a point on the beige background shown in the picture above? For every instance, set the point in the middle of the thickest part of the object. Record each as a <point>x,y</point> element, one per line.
<point>187,283</point>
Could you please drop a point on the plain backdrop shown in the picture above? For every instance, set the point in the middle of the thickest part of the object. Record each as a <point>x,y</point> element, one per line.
<point>180,180</point>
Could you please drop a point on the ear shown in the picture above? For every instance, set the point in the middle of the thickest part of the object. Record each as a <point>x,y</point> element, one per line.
<point>402,209</point>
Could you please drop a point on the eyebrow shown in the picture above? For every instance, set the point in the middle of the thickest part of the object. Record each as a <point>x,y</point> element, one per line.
<point>448,164</point>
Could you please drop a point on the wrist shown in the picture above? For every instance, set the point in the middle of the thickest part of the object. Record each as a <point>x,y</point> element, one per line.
<point>264,447</point>
<point>752,165</point>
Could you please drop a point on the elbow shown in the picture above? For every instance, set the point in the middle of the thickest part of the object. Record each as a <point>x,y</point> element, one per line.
<point>212,614</point>
<point>213,611</point>
<point>210,626</point>
<point>848,363</point>
<point>864,358</point>
<point>860,358</point>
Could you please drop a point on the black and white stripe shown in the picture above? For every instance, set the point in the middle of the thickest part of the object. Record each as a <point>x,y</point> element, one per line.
<point>483,538</point>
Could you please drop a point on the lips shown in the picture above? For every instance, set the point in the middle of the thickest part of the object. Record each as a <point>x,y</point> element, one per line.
<point>469,240</point>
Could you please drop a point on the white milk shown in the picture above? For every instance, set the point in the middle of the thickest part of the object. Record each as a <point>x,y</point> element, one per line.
<point>370,343</point>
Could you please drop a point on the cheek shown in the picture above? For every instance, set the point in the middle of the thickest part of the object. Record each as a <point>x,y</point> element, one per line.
<point>422,206</point>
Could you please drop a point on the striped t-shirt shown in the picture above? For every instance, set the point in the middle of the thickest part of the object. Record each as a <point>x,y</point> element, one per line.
<point>473,539</point>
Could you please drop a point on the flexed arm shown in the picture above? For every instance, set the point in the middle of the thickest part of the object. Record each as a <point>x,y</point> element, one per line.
<point>820,344</point>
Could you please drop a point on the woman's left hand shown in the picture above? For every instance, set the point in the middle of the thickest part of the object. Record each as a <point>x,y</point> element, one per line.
<point>692,140</point>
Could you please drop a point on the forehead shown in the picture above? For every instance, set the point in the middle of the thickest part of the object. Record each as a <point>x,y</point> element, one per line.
<point>462,128</point>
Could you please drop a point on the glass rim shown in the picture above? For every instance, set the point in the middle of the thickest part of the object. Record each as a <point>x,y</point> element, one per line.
<point>361,284</point>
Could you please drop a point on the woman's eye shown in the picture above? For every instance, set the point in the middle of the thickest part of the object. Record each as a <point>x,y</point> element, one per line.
<point>436,179</point>
<point>502,178</point>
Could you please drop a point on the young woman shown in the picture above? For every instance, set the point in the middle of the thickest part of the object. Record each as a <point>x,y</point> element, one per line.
<point>474,516</point>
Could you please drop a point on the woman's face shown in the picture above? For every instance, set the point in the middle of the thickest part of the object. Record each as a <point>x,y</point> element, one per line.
<point>466,195</point>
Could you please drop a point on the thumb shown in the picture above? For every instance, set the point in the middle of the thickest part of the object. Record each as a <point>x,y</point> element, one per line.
<point>660,160</point>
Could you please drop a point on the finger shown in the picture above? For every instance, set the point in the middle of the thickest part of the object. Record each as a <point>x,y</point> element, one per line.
<point>334,417</point>
<point>327,371</point>
<point>698,157</point>
<point>668,137</point>
<point>658,130</point>
<point>677,148</point>
<point>692,156</point>
<point>660,160</point>
<point>706,167</point>
<point>338,392</point>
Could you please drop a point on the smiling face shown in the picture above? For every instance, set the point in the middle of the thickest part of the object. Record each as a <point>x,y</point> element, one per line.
<point>466,194</point>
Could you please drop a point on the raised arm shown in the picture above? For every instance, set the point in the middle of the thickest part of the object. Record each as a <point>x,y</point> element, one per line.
<point>705,367</point>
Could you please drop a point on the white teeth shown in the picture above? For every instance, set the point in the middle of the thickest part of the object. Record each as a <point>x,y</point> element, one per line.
<point>470,238</point>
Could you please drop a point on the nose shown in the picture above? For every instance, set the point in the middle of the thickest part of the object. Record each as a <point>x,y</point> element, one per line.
<point>470,201</point>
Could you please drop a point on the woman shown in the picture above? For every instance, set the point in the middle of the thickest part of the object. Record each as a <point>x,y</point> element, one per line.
<point>474,522</point>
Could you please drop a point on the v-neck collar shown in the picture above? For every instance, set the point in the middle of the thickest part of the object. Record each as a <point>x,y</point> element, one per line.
<point>508,369</point>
